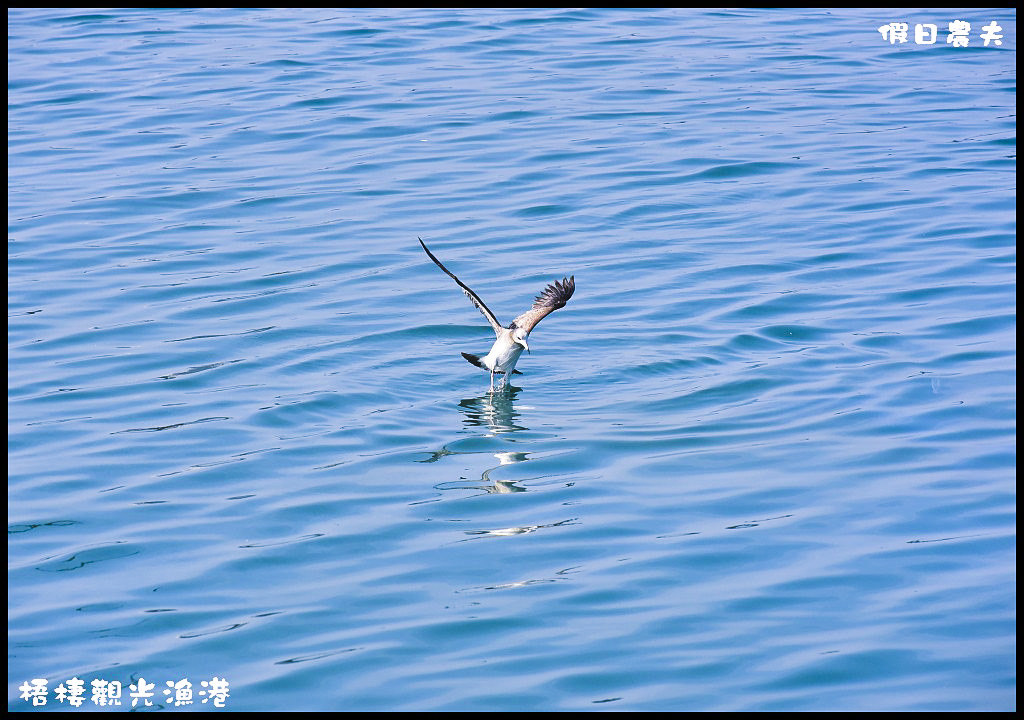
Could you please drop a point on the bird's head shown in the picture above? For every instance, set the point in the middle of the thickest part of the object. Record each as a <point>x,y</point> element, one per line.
<point>519,336</point>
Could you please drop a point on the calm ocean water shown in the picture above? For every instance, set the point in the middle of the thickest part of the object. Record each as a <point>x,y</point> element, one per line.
<point>765,458</point>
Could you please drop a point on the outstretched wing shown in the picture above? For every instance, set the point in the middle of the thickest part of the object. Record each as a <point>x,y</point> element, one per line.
<point>555,295</point>
<point>469,293</point>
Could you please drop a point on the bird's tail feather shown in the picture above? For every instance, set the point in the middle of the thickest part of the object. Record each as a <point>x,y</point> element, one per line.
<point>475,359</point>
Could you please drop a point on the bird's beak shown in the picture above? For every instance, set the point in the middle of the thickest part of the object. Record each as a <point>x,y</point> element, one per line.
<point>523,343</point>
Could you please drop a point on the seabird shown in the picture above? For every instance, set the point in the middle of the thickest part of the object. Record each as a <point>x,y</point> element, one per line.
<point>511,341</point>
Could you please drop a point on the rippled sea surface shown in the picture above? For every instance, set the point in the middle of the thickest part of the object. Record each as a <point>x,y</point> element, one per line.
<point>763,460</point>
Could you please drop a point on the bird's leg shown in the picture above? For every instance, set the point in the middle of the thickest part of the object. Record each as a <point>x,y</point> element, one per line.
<point>492,381</point>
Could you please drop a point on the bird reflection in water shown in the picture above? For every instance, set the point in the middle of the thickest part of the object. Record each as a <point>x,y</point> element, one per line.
<point>497,413</point>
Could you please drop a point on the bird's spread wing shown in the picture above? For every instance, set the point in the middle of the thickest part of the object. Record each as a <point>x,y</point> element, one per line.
<point>555,295</point>
<point>469,293</point>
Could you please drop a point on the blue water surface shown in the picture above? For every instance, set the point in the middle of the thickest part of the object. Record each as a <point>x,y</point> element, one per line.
<point>764,459</point>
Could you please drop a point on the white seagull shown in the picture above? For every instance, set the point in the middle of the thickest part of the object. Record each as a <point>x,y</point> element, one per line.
<point>511,341</point>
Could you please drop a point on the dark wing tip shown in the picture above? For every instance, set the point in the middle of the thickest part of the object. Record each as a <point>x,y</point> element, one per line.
<point>556,294</point>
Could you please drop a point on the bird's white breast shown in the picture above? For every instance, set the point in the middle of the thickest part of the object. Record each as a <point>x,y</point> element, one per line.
<point>504,354</point>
